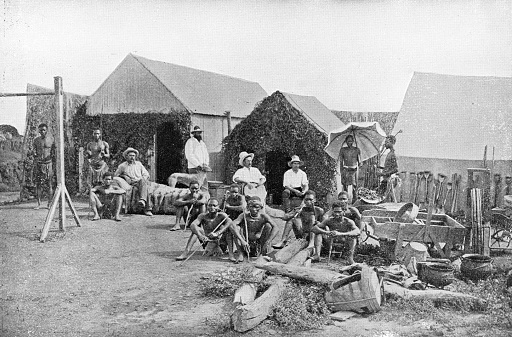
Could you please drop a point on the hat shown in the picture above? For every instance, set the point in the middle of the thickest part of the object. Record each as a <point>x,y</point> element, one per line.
<point>242,156</point>
<point>130,149</point>
<point>196,128</point>
<point>508,176</point>
<point>295,158</point>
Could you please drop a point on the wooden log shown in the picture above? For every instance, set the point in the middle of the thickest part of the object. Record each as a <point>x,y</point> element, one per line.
<point>248,316</point>
<point>284,255</point>
<point>301,257</point>
<point>321,276</point>
<point>436,295</point>
<point>245,294</point>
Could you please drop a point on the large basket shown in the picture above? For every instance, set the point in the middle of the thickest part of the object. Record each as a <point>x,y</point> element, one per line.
<point>359,292</point>
<point>476,267</point>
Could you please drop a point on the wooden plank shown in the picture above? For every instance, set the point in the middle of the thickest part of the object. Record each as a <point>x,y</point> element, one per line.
<point>59,110</point>
<point>51,213</point>
<point>26,94</point>
<point>287,253</point>
<point>321,276</point>
<point>248,316</point>
<point>300,257</point>
<point>390,231</point>
<point>245,294</point>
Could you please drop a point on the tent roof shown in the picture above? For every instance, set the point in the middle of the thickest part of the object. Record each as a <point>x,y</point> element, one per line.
<point>454,117</point>
<point>205,92</point>
<point>317,113</point>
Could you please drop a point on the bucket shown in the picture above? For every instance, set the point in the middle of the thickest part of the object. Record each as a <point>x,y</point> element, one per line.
<point>476,267</point>
<point>437,274</point>
<point>359,292</point>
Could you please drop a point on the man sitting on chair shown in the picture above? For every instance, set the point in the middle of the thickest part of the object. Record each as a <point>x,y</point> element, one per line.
<point>135,174</point>
<point>295,182</point>
<point>210,226</point>
<point>106,198</point>
<point>190,205</point>
<point>302,221</point>
<point>336,228</point>
<point>251,177</point>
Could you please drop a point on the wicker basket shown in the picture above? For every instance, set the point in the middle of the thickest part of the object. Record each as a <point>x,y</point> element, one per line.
<point>358,292</point>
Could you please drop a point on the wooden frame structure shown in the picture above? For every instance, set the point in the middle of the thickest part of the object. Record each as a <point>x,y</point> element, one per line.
<point>61,195</point>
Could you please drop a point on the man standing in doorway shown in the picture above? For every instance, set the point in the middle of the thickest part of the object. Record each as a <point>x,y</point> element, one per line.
<point>44,149</point>
<point>295,182</point>
<point>196,152</point>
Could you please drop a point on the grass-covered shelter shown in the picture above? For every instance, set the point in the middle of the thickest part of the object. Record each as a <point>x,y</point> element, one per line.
<point>280,126</point>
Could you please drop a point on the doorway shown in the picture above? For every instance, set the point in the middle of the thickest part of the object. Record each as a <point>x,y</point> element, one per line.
<point>276,164</point>
<point>169,151</point>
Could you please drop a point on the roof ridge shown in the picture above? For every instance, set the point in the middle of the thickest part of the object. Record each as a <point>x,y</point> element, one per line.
<point>194,69</point>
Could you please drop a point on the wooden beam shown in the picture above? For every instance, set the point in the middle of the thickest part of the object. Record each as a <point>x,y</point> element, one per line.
<point>301,257</point>
<point>320,276</point>
<point>27,94</point>
<point>286,254</point>
<point>59,110</point>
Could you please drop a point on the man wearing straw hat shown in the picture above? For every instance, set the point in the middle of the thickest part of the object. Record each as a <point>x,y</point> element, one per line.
<point>251,177</point>
<point>196,152</point>
<point>295,182</point>
<point>135,174</point>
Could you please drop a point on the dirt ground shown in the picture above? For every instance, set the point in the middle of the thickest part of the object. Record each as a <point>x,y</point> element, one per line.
<point>111,278</point>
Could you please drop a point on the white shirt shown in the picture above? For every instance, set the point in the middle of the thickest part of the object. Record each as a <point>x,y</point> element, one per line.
<point>135,171</point>
<point>251,174</point>
<point>293,179</point>
<point>196,153</point>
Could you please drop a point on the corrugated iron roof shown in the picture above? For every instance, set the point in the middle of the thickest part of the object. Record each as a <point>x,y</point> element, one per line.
<point>454,117</point>
<point>205,92</point>
<point>317,113</point>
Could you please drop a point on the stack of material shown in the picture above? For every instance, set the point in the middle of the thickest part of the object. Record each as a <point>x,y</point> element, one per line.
<point>477,232</point>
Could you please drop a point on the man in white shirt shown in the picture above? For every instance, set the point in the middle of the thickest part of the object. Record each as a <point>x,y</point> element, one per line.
<point>196,152</point>
<point>295,182</point>
<point>250,177</point>
<point>135,174</point>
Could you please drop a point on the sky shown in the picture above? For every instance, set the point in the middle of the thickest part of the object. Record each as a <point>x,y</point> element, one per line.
<point>351,55</point>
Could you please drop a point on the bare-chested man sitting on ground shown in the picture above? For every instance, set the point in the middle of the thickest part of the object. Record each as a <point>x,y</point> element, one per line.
<point>210,226</point>
<point>257,226</point>
<point>302,221</point>
<point>337,228</point>
<point>106,197</point>
<point>190,205</point>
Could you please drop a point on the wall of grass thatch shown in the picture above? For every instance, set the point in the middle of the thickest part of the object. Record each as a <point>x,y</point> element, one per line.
<point>125,130</point>
<point>386,120</point>
<point>275,125</point>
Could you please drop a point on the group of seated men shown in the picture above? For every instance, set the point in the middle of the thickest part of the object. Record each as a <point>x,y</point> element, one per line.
<point>239,220</point>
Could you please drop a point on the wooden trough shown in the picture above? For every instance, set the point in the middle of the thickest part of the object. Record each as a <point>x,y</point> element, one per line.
<point>439,229</point>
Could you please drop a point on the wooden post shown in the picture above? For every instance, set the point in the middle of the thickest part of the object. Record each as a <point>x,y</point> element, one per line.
<point>228,116</point>
<point>80,169</point>
<point>59,110</point>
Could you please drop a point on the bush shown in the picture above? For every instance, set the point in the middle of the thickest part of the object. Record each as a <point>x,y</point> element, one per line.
<point>224,283</point>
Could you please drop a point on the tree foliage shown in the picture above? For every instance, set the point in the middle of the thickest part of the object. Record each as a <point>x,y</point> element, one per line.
<point>275,125</point>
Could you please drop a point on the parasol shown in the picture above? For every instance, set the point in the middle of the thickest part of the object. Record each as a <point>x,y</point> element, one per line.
<point>368,137</point>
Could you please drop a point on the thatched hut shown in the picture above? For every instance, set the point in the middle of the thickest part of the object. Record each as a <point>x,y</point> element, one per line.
<point>280,126</point>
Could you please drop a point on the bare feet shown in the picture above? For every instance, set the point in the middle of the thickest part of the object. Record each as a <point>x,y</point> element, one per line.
<point>279,245</point>
<point>175,228</point>
<point>240,257</point>
<point>182,256</point>
<point>96,217</point>
<point>117,218</point>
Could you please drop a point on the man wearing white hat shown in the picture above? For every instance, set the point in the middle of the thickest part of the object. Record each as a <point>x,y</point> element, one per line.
<point>135,174</point>
<point>196,152</point>
<point>250,176</point>
<point>295,182</point>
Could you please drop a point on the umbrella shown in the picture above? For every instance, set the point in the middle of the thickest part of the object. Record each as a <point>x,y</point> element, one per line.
<point>368,137</point>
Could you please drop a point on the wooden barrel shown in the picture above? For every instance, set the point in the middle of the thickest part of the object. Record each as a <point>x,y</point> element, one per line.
<point>476,267</point>
<point>415,249</point>
<point>359,292</point>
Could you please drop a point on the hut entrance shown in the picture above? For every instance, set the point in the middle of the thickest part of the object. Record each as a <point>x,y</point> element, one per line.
<point>169,147</point>
<point>276,164</point>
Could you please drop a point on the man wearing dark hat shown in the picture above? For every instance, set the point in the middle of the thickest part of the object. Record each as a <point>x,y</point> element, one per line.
<point>295,182</point>
<point>390,166</point>
<point>136,175</point>
<point>196,152</point>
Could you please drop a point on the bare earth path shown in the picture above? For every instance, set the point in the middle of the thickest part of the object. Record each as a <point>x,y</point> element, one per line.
<point>113,279</point>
